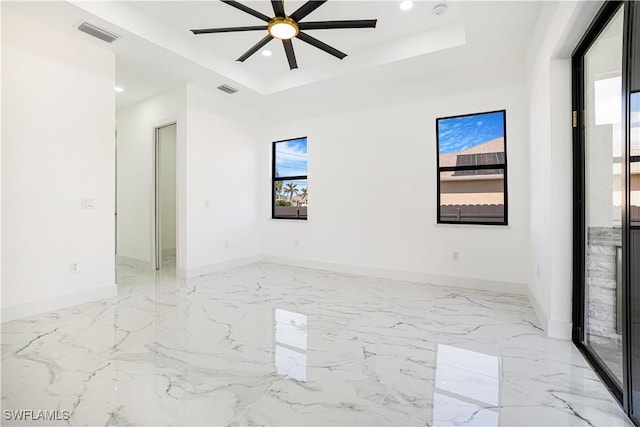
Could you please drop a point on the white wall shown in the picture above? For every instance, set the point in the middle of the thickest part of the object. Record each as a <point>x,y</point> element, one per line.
<point>372,187</point>
<point>167,187</point>
<point>58,110</point>
<point>560,26</point>
<point>217,162</point>
<point>136,138</point>
<point>222,179</point>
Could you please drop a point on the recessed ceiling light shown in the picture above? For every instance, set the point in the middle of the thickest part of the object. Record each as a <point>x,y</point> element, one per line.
<point>118,89</point>
<point>266,53</point>
<point>406,5</point>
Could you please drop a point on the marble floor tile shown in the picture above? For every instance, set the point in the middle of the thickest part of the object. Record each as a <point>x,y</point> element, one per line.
<point>266,344</point>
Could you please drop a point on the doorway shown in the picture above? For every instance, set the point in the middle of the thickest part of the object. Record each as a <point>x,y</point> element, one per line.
<point>165,241</point>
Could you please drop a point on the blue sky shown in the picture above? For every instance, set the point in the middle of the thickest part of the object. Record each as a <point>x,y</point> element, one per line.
<point>460,133</point>
<point>291,157</point>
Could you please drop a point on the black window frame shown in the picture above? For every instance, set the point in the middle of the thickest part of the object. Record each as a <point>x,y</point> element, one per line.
<point>499,166</point>
<point>275,178</point>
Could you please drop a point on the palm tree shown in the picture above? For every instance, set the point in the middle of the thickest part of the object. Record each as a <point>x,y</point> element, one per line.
<point>303,194</point>
<point>278,189</point>
<point>291,189</point>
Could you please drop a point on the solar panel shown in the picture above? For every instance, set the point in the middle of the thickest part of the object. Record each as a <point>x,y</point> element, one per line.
<point>479,159</point>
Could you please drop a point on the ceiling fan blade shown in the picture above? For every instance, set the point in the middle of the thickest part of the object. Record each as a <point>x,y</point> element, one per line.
<point>229,29</point>
<point>306,9</point>
<point>327,25</point>
<point>255,48</point>
<point>291,56</point>
<point>320,45</point>
<point>278,7</point>
<point>247,9</point>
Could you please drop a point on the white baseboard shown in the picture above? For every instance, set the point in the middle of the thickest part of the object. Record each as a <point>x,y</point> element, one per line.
<point>560,329</point>
<point>20,311</point>
<point>435,279</point>
<point>212,268</point>
<point>554,328</point>
<point>133,262</point>
<point>542,316</point>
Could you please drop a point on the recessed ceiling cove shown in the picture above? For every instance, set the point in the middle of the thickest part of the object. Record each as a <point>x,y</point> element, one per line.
<point>285,27</point>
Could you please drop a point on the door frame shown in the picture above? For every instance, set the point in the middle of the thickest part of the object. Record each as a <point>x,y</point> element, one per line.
<point>605,14</point>
<point>156,251</point>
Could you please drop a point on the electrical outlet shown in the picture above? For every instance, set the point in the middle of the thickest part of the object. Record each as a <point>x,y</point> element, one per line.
<point>226,244</point>
<point>538,271</point>
<point>75,266</point>
<point>295,243</point>
<point>206,203</point>
<point>455,256</point>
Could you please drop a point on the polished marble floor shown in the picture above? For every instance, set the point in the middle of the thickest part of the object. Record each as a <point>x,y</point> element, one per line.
<point>266,344</point>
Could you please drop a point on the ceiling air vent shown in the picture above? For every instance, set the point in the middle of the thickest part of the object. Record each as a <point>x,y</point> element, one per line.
<point>97,32</point>
<point>227,89</point>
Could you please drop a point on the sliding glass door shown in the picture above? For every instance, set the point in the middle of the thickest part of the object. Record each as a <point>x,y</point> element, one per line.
<point>633,238</point>
<point>606,85</point>
<point>631,233</point>
<point>602,200</point>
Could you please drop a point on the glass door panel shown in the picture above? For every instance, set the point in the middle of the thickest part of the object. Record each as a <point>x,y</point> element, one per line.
<point>634,160</point>
<point>603,143</point>
<point>634,247</point>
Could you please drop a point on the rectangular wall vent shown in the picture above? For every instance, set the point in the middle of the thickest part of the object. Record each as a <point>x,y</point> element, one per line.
<point>227,89</point>
<point>97,32</point>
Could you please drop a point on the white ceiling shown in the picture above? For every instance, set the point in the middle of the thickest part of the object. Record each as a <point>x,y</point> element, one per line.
<point>157,51</point>
<point>392,24</point>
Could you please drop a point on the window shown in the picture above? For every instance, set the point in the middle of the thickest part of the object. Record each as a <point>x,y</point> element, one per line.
<point>472,169</point>
<point>289,198</point>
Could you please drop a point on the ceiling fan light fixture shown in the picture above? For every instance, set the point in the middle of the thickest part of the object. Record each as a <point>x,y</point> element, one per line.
<point>283,28</point>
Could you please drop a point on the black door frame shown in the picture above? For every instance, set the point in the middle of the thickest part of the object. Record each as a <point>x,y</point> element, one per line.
<point>606,13</point>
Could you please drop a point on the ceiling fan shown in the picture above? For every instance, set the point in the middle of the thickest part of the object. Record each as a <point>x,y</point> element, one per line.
<point>285,27</point>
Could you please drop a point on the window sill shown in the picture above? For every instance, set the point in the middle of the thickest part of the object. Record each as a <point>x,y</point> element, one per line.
<point>464,225</point>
